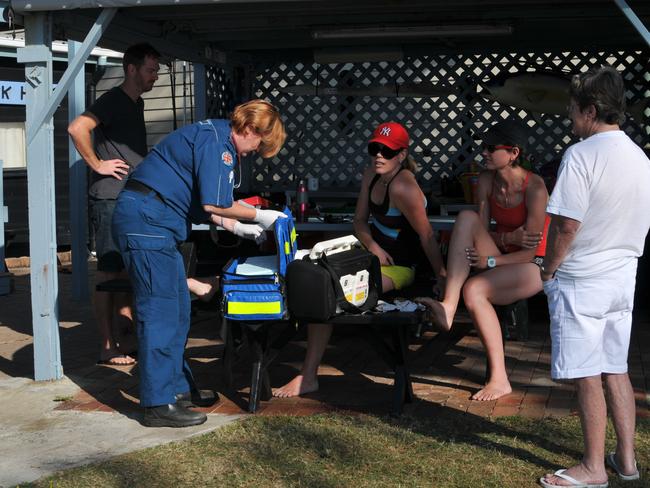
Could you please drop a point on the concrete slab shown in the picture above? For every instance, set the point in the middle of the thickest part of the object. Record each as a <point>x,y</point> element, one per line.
<point>36,440</point>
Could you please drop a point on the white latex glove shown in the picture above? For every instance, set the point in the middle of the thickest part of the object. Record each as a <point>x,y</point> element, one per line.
<point>253,232</point>
<point>266,218</point>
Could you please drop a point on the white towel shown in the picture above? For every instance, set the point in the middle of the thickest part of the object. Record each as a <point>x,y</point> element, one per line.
<point>401,305</point>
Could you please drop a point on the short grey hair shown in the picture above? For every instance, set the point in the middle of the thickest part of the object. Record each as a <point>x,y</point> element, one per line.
<point>603,88</point>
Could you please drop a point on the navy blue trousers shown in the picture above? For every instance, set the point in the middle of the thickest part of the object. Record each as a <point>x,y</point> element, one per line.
<point>148,234</point>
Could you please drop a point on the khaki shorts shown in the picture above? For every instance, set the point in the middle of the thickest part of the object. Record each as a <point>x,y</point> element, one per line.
<point>591,321</point>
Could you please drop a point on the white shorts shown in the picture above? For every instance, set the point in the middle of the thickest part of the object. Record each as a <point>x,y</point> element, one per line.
<point>591,321</point>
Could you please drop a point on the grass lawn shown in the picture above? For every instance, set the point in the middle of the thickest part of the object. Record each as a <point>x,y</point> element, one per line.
<point>445,449</point>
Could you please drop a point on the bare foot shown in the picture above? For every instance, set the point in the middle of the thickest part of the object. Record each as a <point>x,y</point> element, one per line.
<point>296,387</point>
<point>438,313</point>
<point>492,391</point>
<point>579,473</point>
<point>204,288</point>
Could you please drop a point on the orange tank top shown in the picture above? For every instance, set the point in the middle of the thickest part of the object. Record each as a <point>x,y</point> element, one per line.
<point>510,219</point>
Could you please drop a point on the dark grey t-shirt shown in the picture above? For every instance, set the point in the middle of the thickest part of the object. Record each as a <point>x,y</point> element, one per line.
<point>121,134</point>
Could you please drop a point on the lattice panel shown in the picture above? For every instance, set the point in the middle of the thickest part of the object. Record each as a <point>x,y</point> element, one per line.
<point>327,135</point>
<point>218,96</point>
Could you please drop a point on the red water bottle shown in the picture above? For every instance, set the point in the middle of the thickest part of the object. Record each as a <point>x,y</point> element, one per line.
<point>302,202</point>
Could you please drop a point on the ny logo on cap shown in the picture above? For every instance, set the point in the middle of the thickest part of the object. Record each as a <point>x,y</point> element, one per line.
<point>385,131</point>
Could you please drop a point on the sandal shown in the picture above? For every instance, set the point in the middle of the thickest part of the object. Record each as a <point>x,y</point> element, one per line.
<point>112,361</point>
<point>611,462</point>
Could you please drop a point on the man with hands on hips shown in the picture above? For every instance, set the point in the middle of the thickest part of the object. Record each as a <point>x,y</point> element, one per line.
<point>187,178</point>
<point>112,139</point>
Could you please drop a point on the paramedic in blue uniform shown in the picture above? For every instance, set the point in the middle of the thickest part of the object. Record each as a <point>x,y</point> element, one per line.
<point>187,178</point>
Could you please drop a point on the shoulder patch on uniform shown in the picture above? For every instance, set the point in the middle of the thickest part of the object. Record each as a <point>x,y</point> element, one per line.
<point>226,157</point>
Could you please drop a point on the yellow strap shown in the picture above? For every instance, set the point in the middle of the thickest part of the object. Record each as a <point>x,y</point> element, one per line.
<point>253,308</point>
<point>289,245</point>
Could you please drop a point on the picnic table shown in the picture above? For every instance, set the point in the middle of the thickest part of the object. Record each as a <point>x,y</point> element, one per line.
<point>387,333</point>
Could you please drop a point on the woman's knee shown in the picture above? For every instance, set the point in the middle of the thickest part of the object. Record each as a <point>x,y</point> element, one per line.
<point>474,292</point>
<point>467,217</point>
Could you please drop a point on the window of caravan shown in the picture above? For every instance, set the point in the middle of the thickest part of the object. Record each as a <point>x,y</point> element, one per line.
<point>12,145</point>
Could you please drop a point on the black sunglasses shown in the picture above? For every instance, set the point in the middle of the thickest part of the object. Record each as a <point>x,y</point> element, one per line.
<point>495,147</point>
<point>375,148</point>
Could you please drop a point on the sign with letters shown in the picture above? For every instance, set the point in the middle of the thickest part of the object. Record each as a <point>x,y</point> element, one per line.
<point>12,92</point>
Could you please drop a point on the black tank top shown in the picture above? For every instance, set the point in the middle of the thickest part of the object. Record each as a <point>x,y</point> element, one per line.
<point>392,230</point>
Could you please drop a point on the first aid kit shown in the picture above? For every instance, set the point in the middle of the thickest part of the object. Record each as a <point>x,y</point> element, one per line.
<point>253,288</point>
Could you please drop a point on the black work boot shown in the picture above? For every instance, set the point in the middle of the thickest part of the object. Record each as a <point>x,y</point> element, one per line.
<point>172,415</point>
<point>197,398</point>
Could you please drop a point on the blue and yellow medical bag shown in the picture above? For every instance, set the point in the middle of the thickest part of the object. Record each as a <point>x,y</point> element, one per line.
<point>253,288</point>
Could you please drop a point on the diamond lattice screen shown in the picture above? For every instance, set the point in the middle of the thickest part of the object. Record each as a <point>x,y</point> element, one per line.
<point>327,135</point>
<point>218,93</point>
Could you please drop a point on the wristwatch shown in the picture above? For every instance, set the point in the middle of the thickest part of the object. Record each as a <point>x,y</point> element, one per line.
<point>491,262</point>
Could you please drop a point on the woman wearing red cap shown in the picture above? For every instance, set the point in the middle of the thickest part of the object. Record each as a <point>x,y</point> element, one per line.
<point>510,254</point>
<point>400,234</point>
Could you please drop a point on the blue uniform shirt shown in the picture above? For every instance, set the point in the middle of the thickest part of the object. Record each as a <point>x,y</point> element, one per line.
<point>191,167</point>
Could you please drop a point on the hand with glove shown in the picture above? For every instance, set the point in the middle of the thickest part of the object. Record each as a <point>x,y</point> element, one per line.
<point>254,232</point>
<point>266,218</point>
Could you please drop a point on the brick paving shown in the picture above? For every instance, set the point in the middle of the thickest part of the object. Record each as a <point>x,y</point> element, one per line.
<point>351,378</point>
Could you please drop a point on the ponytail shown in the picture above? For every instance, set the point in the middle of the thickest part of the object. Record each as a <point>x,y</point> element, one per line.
<point>410,164</point>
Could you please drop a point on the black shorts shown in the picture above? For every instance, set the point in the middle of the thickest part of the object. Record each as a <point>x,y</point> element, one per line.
<point>101,218</point>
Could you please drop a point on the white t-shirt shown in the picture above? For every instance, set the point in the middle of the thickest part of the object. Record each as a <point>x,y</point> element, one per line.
<point>603,182</point>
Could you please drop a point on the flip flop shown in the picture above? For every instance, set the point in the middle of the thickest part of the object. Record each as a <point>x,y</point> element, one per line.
<point>111,361</point>
<point>611,462</point>
<point>574,482</point>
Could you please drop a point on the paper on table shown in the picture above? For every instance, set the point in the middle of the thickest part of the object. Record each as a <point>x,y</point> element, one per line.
<point>257,266</point>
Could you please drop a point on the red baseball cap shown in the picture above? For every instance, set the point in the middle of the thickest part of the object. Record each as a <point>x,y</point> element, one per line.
<point>391,134</point>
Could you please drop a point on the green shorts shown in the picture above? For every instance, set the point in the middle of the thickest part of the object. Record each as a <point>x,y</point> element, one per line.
<point>400,275</point>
